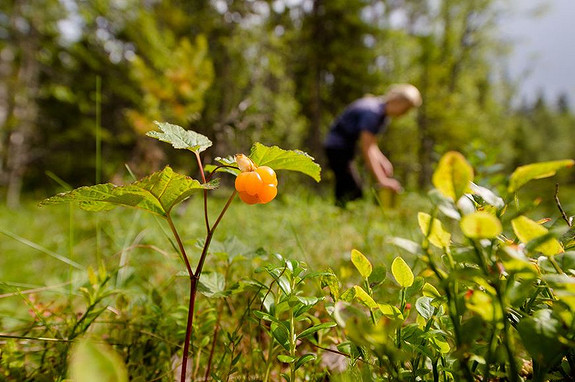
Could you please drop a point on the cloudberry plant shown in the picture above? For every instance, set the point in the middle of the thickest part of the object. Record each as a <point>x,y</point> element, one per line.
<point>255,184</point>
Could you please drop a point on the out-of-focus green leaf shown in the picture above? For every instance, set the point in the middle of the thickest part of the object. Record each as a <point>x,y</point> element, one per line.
<point>362,264</point>
<point>481,225</point>
<point>180,138</point>
<point>402,272</point>
<point>96,362</point>
<point>280,159</point>
<point>524,174</point>
<point>409,245</point>
<point>157,193</point>
<point>437,236</point>
<point>540,335</point>
<point>212,285</point>
<point>527,230</point>
<point>453,175</point>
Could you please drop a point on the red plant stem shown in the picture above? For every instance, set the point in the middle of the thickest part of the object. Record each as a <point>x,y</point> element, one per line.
<point>194,279</point>
<point>180,244</point>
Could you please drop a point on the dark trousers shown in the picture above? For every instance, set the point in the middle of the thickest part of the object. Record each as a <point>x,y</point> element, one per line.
<point>347,184</point>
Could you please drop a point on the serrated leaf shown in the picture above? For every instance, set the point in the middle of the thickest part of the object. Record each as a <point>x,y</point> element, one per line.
<point>524,174</point>
<point>362,264</point>
<point>280,159</point>
<point>453,175</point>
<point>402,272</point>
<point>157,193</point>
<point>481,225</point>
<point>437,235</point>
<point>180,138</point>
<point>528,230</point>
<point>95,362</point>
<point>212,285</point>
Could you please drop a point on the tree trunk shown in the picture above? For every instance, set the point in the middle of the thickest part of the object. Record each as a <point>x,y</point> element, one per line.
<point>21,119</point>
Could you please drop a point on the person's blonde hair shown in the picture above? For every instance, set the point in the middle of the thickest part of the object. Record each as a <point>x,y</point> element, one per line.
<point>406,92</point>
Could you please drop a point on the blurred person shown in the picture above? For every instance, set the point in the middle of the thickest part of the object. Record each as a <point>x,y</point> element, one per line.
<point>361,121</point>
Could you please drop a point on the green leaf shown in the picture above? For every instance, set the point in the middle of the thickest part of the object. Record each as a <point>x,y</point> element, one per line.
<point>157,193</point>
<point>332,282</point>
<point>377,276</point>
<point>284,358</point>
<point>96,362</point>
<point>401,272</point>
<point>180,138</point>
<point>524,174</point>
<point>212,285</point>
<point>424,307</point>
<point>437,235</point>
<point>304,359</point>
<point>453,175</point>
<point>281,334</point>
<point>280,159</point>
<point>527,230</point>
<point>362,296</point>
<point>430,291</point>
<point>361,263</point>
<point>540,335</point>
<point>481,225</point>
<point>309,331</point>
<point>390,311</point>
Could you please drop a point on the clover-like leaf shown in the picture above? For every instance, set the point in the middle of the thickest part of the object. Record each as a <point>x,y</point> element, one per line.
<point>280,159</point>
<point>180,138</point>
<point>524,174</point>
<point>157,193</point>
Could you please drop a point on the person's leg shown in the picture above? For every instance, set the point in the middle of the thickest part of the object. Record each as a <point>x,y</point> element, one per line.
<point>347,185</point>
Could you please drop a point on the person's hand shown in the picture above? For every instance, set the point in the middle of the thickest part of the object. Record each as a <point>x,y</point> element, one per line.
<point>392,184</point>
<point>387,167</point>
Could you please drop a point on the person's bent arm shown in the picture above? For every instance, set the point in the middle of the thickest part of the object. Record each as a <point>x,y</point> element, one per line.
<point>378,163</point>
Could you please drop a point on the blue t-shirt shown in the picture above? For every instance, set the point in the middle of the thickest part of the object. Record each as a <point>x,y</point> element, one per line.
<point>366,113</point>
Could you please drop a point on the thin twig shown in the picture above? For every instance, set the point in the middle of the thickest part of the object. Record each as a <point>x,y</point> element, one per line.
<point>563,214</point>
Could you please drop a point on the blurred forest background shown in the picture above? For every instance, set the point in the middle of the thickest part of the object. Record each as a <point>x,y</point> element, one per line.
<point>82,81</point>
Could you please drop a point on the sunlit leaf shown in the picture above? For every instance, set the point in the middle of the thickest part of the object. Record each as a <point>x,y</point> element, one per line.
<point>361,263</point>
<point>402,272</point>
<point>390,311</point>
<point>95,362</point>
<point>527,230</point>
<point>157,193</point>
<point>280,159</point>
<point>481,225</point>
<point>524,174</point>
<point>362,296</point>
<point>437,235</point>
<point>180,138</point>
<point>489,196</point>
<point>453,175</point>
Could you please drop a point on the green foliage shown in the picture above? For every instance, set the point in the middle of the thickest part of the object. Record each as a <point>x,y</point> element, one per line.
<point>180,138</point>
<point>158,193</point>
<point>279,159</point>
<point>96,362</point>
